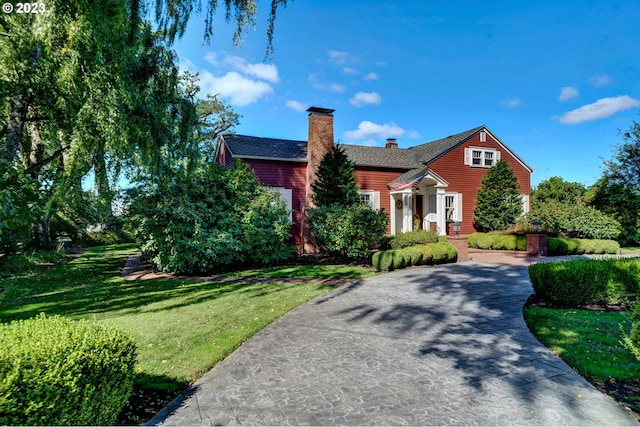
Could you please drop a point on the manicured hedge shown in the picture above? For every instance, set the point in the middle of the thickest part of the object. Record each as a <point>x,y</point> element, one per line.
<point>431,253</point>
<point>412,238</point>
<point>564,246</point>
<point>555,245</point>
<point>587,281</point>
<point>54,371</point>
<point>510,242</point>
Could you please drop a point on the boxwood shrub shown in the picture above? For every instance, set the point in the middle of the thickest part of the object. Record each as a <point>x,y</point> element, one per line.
<point>431,253</point>
<point>587,281</point>
<point>54,371</point>
<point>510,242</point>
<point>412,238</point>
<point>564,246</point>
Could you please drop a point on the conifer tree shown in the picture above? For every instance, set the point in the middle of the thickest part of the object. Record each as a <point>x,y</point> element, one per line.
<point>336,182</point>
<point>498,203</point>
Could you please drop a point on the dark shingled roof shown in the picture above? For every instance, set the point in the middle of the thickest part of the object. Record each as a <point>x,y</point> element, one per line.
<point>381,157</point>
<point>426,153</point>
<point>252,146</point>
<point>399,158</point>
<point>410,175</point>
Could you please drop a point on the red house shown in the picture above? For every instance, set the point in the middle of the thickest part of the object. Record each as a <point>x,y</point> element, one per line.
<point>428,186</point>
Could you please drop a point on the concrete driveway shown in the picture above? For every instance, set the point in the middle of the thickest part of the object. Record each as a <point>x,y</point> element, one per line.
<point>442,345</point>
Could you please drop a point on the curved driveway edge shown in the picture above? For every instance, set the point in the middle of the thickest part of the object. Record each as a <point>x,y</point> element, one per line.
<point>442,345</point>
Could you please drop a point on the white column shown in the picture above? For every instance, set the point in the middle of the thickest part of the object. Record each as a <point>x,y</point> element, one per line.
<point>440,211</point>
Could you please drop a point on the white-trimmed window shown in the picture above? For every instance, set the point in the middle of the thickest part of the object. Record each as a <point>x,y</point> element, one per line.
<point>453,206</point>
<point>480,157</point>
<point>483,136</point>
<point>286,194</point>
<point>370,197</point>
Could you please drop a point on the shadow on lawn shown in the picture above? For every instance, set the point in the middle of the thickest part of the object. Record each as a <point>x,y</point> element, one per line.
<point>92,285</point>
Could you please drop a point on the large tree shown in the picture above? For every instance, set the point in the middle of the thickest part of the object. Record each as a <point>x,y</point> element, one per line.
<point>499,202</point>
<point>558,190</point>
<point>624,168</point>
<point>93,87</point>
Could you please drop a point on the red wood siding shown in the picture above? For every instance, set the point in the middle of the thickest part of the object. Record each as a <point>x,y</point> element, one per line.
<point>224,156</point>
<point>291,175</point>
<point>466,179</point>
<point>376,180</point>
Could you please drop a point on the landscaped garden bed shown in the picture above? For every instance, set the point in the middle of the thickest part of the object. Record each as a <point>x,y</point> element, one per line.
<point>581,311</point>
<point>555,245</point>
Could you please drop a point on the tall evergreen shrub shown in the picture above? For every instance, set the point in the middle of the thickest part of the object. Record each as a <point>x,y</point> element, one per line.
<point>499,202</point>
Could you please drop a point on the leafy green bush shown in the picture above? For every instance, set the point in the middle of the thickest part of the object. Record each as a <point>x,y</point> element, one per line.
<point>444,252</point>
<point>415,254</point>
<point>413,238</point>
<point>505,242</point>
<point>571,220</point>
<point>348,231</point>
<point>585,281</point>
<point>212,219</point>
<point>427,253</point>
<point>431,253</point>
<point>632,340</point>
<point>54,371</point>
<point>564,246</point>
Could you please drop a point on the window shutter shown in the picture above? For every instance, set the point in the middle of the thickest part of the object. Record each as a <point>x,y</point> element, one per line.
<point>457,212</point>
<point>497,156</point>
<point>467,156</point>
<point>376,200</point>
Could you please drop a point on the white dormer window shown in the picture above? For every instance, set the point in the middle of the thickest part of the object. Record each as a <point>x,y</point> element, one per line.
<point>480,157</point>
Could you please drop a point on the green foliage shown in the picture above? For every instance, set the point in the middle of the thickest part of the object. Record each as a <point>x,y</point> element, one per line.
<point>19,207</point>
<point>624,168</point>
<point>582,282</point>
<point>348,231</point>
<point>499,203</point>
<point>564,246</point>
<point>632,339</point>
<point>412,238</point>
<point>212,219</point>
<point>430,253</point>
<point>571,220</point>
<point>555,189</point>
<point>621,203</point>
<point>58,372</point>
<point>511,242</point>
<point>336,181</point>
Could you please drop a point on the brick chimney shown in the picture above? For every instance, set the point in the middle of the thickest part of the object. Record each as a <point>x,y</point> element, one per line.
<point>391,143</point>
<point>320,142</point>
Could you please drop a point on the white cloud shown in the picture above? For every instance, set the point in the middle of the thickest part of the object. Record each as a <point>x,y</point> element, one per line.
<point>361,99</point>
<point>296,105</point>
<point>267,72</point>
<point>600,80</point>
<point>329,87</point>
<point>371,76</point>
<point>567,92</point>
<point>240,90</point>
<point>600,109</point>
<point>368,130</point>
<point>338,57</point>
<point>245,84</point>
<point>349,70</point>
<point>511,102</point>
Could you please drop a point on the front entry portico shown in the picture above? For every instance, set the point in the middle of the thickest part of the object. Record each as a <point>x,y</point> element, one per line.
<point>419,201</point>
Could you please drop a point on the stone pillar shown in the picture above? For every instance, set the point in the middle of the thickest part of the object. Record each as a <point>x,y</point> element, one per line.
<point>537,244</point>
<point>462,245</point>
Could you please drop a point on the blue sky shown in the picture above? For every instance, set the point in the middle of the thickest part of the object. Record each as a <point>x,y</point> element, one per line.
<point>555,80</point>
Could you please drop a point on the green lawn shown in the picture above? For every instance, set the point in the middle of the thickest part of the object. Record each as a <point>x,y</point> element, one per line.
<point>182,328</point>
<point>589,341</point>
